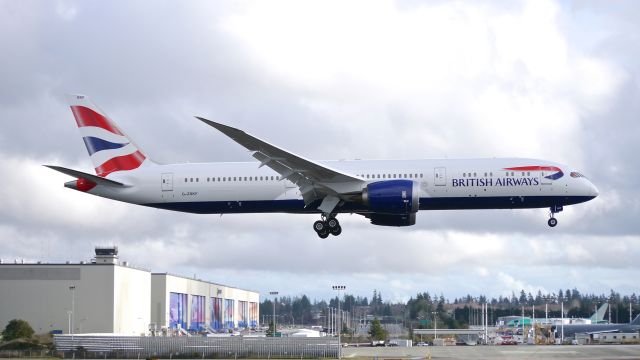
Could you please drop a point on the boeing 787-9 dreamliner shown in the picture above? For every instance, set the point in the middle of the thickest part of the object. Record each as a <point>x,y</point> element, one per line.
<point>387,192</point>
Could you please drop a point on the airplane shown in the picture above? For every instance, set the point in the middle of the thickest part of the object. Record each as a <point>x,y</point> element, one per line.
<point>596,318</point>
<point>569,330</point>
<point>387,192</point>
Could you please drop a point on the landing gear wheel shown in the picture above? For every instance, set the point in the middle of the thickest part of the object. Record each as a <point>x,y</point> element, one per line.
<point>323,234</point>
<point>333,223</point>
<point>319,226</point>
<point>552,222</point>
<point>336,230</point>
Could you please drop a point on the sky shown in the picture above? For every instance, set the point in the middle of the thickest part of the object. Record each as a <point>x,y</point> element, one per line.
<point>555,80</point>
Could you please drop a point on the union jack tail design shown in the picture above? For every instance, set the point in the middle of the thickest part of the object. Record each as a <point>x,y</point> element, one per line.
<point>109,147</point>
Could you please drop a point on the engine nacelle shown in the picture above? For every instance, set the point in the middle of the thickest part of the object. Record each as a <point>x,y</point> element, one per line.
<point>392,197</point>
<point>392,220</point>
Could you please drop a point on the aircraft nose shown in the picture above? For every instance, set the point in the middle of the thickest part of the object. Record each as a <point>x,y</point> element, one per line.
<point>592,190</point>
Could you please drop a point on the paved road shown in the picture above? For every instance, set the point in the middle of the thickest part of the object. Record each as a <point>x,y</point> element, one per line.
<point>576,352</point>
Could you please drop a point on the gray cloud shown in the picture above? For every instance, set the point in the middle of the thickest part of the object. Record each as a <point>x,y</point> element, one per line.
<point>329,80</point>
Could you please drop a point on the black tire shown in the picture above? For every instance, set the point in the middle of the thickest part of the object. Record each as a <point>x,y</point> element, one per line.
<point>336,230</point>
<point>323,234</point>
<point>332,223</point>
<point>319,226</point>
<point>552,222</point>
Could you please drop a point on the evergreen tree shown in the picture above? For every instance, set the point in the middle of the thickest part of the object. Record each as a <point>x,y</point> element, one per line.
<point>523,297</point>
<point>270,330</point>
<point>376,331</point>
<point>17,329</point>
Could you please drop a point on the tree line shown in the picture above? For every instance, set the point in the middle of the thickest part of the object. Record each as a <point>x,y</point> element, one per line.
<point>425,308</point>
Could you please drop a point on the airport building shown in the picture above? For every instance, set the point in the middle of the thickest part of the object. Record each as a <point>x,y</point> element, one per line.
<point>193,304</point>
<point>105,295</point>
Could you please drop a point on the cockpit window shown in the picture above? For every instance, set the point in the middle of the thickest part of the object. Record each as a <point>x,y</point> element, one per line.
<point>575,174</point>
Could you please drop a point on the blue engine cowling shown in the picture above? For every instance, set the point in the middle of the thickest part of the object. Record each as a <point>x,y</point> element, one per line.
<point>392,220</point>
<point>392,197</point>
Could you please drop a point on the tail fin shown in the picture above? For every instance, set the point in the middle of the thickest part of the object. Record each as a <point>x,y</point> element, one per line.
<point>109,147</point>
<point>598,316</point>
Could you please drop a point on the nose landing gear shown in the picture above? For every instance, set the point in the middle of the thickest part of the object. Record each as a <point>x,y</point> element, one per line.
<point>554,210</point>
<point>327,225</point>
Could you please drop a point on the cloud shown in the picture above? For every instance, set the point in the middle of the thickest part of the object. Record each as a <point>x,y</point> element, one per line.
<point>329,80</point>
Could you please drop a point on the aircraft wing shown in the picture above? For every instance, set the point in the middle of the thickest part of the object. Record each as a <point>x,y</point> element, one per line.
<point>602,331</point>
<point>315,181</point>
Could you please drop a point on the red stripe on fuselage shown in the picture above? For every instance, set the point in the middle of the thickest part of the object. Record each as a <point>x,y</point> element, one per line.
<point>124,162</point>
<point>87,117</point>
<point>534,168</point>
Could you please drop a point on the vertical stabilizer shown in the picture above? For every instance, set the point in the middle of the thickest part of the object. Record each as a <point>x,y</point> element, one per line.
<point>109,147</point>
<point>598,316</point>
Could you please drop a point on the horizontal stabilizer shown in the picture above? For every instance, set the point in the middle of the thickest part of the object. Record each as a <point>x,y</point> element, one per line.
<point>81,175</point>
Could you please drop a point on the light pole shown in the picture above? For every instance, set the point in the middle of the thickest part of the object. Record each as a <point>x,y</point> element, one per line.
<point>435,325</point>
<point>339,288</point>
<point>274,293</point>
<point>73,308</point>
<point>69,316</point>
<point>562,323</point>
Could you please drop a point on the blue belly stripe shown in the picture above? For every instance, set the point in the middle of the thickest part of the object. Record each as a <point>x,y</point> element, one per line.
<point>297,206</point>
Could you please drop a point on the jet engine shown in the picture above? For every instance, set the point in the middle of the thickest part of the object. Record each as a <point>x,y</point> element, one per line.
<point>392,197</point>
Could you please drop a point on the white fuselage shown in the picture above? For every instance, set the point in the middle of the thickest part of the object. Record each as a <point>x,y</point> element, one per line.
<point>244,187</point>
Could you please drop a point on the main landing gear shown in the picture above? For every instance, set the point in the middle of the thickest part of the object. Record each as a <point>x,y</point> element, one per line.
<point>554,210</point>
<point>328,225</point>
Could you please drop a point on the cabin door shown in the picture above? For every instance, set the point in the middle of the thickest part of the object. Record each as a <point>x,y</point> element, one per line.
<point>440,176</point>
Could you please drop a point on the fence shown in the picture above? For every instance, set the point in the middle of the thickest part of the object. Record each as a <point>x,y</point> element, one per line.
<point>196,347</point>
